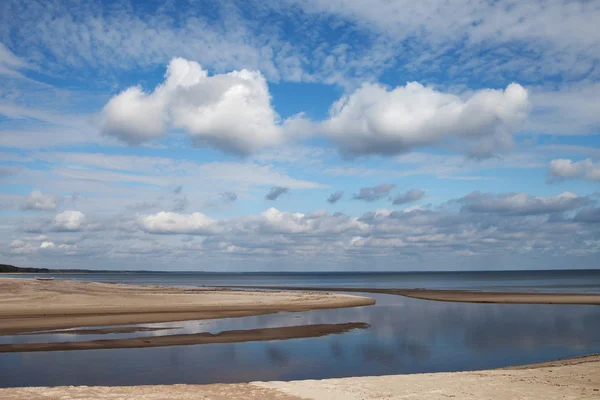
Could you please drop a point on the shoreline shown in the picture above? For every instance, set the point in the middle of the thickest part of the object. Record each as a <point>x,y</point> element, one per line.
<point>27,305</point>
<point>457,296</point>
<point>574,378</point>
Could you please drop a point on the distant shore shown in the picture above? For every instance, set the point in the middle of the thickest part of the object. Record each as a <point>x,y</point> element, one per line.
<point>577,378</point>
<point>28,305</point>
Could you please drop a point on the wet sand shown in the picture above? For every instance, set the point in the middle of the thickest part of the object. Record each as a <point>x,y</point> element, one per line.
<point>569,379</point>
<point>101,331</point>
<point>28,305</point>
<point>462,296</point>
<point>235,336</point>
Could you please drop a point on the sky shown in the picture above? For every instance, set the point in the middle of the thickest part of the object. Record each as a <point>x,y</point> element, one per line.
<point>300,135</point>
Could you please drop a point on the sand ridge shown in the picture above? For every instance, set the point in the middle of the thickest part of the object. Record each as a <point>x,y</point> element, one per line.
<point>27,305</point>
<point>461,296</point>
<point>233,336</point>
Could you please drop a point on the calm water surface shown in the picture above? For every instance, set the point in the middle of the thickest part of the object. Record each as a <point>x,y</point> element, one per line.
<point>405,336</point>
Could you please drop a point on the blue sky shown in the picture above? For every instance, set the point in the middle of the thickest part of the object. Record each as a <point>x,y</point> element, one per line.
<point>198,135</point>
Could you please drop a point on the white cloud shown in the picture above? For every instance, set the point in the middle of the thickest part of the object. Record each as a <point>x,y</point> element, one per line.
<point>231,111</point>
<point>375,120</point>
<point>487,225</point>
<point>170,222</point>
<point>69,221</point>
<point>134,116</point>
<point>36,200</point>
<point>47,245</point>
<point>273,220</point>
<point>568,169</point>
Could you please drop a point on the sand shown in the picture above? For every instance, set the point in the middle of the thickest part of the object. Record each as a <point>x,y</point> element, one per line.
<point>463,296</point>
<point>234,336</point>
<point>28,305</point>
<point>570,379</point>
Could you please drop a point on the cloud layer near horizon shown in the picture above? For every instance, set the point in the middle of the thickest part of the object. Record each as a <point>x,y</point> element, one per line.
<point>484,225</point>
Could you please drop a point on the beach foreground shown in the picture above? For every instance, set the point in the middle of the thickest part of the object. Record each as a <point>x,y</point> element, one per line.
<point>28,305</point>
<point>569,379</point>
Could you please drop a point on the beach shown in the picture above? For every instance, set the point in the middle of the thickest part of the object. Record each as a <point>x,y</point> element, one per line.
<point>568,379</point>
<point>70,307</point>
<point>30,305</point>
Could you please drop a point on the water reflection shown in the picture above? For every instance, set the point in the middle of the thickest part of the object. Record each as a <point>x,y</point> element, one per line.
<point>406,336</point>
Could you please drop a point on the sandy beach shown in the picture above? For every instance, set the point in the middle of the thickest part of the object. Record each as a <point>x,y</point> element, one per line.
<point>569,379</point>
<point>462,296</point>
<point>28,305</point>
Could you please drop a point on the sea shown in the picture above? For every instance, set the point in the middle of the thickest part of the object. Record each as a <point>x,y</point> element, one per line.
<point>402,335</point>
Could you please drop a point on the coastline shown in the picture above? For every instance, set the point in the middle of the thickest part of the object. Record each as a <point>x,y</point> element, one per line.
<point>458,296</point>
<point>27,305</point>
<point>577,378</point>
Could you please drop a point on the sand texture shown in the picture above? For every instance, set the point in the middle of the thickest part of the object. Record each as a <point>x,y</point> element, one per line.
<point>28,305</point>
<point>570,380</point>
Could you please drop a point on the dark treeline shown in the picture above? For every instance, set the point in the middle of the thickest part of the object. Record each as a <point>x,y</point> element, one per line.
<point>6,268</point>
<point>11,268</point>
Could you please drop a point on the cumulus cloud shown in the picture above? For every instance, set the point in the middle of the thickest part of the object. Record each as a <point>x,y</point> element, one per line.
<point>170,222</point>
<point>374,193</point>
<point>335,197</point>
<point>409,196</point>
<point>231,112</point>
<point>134,116</point>
<point>59,249</point>
<point>36,200</point>
<point>273,221</point>
<point>521,203</point>
<point>69,221</point>
<point>275,192</point>
<point>376,120</point>
<point>562,169</point>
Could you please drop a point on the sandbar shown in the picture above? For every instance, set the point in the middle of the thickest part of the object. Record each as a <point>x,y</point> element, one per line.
<point>233,336</point>
<point>462,296</point>
<point>28,305</point>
